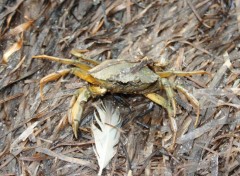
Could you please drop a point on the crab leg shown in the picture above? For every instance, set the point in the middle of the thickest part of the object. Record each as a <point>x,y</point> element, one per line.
<point>189,96</point>
<point>84,75</point>
<point>83,57</point>
<point>193,101</point>
<point>52,77</point>
<point>164,103</point>
<point>56,75</point>
<point>170,94</point>
<point>78,102</point>
<point>82,95</point>
<point>77,63</point>
<point>180,73</point>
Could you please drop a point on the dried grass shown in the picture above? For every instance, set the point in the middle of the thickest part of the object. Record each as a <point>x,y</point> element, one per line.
<point>35,137</point>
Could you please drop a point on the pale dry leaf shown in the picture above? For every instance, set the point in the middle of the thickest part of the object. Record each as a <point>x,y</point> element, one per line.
<point>20,28</point>
<point>63,157</point>
<point>106,133</point>
<point>12,49</point>
<point>25,134</point>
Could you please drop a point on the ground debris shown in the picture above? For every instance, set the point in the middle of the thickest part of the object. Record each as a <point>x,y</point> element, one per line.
<point>36,138</point>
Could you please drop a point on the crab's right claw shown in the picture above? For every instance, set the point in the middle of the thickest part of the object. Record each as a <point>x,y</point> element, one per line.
<point>76,108</point>
<point>78,102</point>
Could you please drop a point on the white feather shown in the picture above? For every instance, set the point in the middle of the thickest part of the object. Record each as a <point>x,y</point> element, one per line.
<point>107,136</point>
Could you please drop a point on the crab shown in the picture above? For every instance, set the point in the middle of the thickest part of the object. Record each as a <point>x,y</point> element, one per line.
<point>121,76</point>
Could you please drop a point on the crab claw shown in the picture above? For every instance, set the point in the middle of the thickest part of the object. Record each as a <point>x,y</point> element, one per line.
<point>76,108</point>
<point>78,102</point>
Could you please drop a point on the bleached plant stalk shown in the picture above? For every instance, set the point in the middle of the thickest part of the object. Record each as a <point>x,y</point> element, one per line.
<point>106,134</point>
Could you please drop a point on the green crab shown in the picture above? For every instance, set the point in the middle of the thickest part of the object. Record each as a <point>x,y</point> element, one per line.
<point>121,76</point>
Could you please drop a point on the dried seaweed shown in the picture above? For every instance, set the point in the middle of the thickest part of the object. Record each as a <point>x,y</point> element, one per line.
<point>178,35</point>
